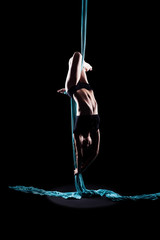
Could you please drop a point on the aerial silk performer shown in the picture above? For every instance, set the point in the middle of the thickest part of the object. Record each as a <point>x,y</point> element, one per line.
<point>85,123</point>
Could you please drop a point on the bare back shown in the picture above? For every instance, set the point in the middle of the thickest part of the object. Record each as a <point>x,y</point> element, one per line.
<point>86,102</point>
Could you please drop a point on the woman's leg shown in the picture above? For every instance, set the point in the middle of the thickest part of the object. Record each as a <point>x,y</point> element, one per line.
<point>86,67</point>
<point>75,72</point>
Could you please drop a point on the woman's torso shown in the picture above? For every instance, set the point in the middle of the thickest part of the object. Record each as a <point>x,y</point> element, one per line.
<point>86,102</point>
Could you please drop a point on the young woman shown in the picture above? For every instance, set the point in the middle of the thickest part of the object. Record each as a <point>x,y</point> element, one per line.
<point>86,130</point>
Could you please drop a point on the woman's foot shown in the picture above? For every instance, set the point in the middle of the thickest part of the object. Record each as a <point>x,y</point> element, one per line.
<point>62,90</point>
<point>87,67</point>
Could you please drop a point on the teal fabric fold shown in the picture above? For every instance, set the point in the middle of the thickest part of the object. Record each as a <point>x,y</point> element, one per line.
<point>86,193</point>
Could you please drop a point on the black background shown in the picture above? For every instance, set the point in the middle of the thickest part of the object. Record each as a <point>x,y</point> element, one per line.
<point>122,46</point>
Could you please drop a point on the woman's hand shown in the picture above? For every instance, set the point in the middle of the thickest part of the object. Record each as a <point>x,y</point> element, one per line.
<point>62,90</point>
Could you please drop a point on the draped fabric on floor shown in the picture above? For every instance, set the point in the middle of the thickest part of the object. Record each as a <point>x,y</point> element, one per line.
<point>87,193</point>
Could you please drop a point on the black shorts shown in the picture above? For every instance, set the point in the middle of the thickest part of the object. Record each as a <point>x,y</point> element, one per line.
<point>86,123</point>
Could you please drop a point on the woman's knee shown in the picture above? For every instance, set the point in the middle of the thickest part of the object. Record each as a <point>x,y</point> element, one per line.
<point>76,56</point>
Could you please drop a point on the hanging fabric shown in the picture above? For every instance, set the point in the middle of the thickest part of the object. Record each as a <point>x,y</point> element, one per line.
<point>79,183</point>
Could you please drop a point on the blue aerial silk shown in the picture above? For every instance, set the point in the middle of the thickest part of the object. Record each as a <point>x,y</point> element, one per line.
<point>87,193</point>
<point>81,190</point>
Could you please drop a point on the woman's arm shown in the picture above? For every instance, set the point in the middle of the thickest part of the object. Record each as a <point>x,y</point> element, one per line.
<point>83,160</point>
<point>93,154</point>
<point>78,153</point>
